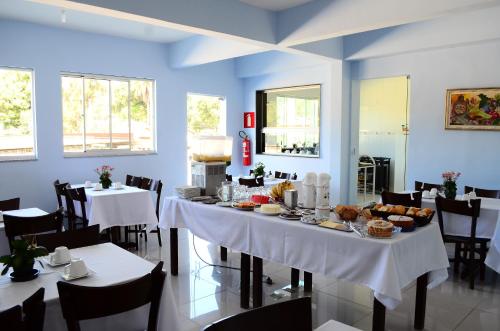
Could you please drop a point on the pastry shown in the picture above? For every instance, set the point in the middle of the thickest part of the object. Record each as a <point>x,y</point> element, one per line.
<point>426,212</point>
<point>278,190</point>
<point>245,204</point>
<point>403,221</point>
<point>270,208</point>
<point>378,206</point>
<point>399,210</point>
<point>380,229</point>
<point>412,211</point>
<point>366,213</point>
<point>385,208</point>
<point>347,213</point>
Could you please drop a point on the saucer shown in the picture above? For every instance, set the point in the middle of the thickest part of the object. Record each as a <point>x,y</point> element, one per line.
<point>46,259</point>
<point>118,188</point>
<point>66,277</point>
<point>224,204</point>
<point>95,189</point>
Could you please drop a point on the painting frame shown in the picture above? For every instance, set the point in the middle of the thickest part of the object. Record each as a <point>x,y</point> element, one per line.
<point>476,109</point>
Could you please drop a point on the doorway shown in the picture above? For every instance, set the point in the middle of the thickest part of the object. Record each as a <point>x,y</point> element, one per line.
<point>206,116</point>
<point>383,137</point>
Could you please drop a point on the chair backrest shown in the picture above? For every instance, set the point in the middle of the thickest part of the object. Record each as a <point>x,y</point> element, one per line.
<point>18,226</point>
<point>13,318</point>
<point>285,175</point>
<point>459,208</point>
<point>75,194</point>
<point>133,181</point>
<point>60,191</point>
<point>288,315</point>
<point>87,236</point>
<point>34,311</point>
<point>404,199</point>
<point>252,182</point>
<point>10,204</point>
<point>156,186</point>
<point>82,302</point>
<point>229,178</point>
<point>483,193</point>
<point>145,183</point>
<point>421,186</point>
<point>277,174</point>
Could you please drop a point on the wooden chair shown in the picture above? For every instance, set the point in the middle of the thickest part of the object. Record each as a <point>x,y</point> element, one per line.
<point>16,226</point>
<point>10,204</point>
<point>421,186</point>
<point>229,178</point>
<point>404,199</point>
<point>285,175</point>
<point>72,239</point>
<point>293,315</point>
<point>60,192</point>
<point>469,243</point>
<point>277,174</point>
<point>145,183</point>
<point>82,302</point>
<point>483,193</point>
<point>133,181</point>
<point>34,314</point>
<point>78,195</point>
<point>154,186</point>
<point>252,182</point>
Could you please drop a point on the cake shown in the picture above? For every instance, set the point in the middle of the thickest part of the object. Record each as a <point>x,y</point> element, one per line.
<point>270,208</point>
<point>405,222</point>
<point>347,213</point>
<point>380,229</point>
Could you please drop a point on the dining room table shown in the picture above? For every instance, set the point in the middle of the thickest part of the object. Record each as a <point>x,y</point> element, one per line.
<point>25,212</point>
<point>109,265</point>
<point>386,266</point>
<point>488,226</point>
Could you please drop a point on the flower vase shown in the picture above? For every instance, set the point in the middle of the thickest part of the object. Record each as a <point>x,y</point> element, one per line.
<point>450,189</point>
<point>105,182</point>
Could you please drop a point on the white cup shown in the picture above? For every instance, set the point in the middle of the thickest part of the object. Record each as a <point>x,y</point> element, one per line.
<point>88,183</point>
<point>98,186</point>
<point>434,192</point>
<point>426,194</point>
<point>117,185</point>
<point>76,268</point>
<point>60,255</point>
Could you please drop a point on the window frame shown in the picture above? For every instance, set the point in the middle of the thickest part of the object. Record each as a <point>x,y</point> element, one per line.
<point>34,156</point>
<point>110,152</point>
<point>261,118</point>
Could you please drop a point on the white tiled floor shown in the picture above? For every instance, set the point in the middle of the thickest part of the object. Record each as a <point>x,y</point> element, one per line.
<point>205,294</point>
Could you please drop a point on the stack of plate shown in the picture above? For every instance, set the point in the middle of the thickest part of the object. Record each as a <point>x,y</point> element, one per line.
<point>188,192</point>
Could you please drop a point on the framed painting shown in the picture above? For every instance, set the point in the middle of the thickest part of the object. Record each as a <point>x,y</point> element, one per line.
<point>473,109</point>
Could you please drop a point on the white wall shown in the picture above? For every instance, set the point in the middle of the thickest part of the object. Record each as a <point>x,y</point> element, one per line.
<point>431,148</point>
<point>48,51</point>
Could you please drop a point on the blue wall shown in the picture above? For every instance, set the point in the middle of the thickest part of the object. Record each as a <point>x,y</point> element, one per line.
<point>48,51</point>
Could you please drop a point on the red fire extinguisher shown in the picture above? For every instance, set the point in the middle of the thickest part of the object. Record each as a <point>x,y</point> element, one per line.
<point>246,150</point>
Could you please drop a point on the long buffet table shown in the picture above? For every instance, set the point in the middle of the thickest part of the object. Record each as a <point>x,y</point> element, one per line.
<point>384,265</point>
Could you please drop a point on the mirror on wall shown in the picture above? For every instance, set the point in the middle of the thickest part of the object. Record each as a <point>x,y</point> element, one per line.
<point>288,121</point>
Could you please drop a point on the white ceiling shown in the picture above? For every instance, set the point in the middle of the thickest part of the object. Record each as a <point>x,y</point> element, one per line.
<point>275,5</point>
<point>50,15</point>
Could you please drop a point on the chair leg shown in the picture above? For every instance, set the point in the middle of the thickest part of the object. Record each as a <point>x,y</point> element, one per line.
<point>159,235</point>
<point>136,238</point>
<point>456,262</point>
<point>482,267</point>
<point>470,264</point>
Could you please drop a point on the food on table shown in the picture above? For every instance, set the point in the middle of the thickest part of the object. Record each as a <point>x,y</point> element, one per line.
<point>366,213</point>
<point>278,190</point>
<point>334,225</point>
<point>380,229</point>
<point>385,209</point>
<point>245,204</point>
<point>347,213</point>
<point>406,222</point>
<point>270,208</point>
<point>412,211</point>
<point>378,206</point>
<point>399,210</point>
<point>260,199</point>
<point>426,212</point>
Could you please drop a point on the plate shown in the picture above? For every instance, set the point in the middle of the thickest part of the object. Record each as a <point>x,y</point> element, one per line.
<point>118,188</point>
<point>310,220</point>
<point>46,259</point>
<point>290,217</point>
<point>335,226</point>
<point>258,210</point>
<point>244,209</point>
<point>224,204</point>
<point>89,273</point>
<point>94,189</point>
<point>202,198</point>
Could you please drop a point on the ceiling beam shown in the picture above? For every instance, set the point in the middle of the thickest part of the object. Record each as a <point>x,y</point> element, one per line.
<point>325,19</point>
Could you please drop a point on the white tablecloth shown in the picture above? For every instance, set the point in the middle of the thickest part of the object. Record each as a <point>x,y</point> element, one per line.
<point>112,265</point>
<point>385,266</point>
<point>27,212</point>
<point>488,226</point>
<point>110,207</point>
<point>332,325</point>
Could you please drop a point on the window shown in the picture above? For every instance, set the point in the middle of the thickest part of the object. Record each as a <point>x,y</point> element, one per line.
<point>103,114</point>
<point>206,116</point>
<point>288,121</point>
<point>17,128</point>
